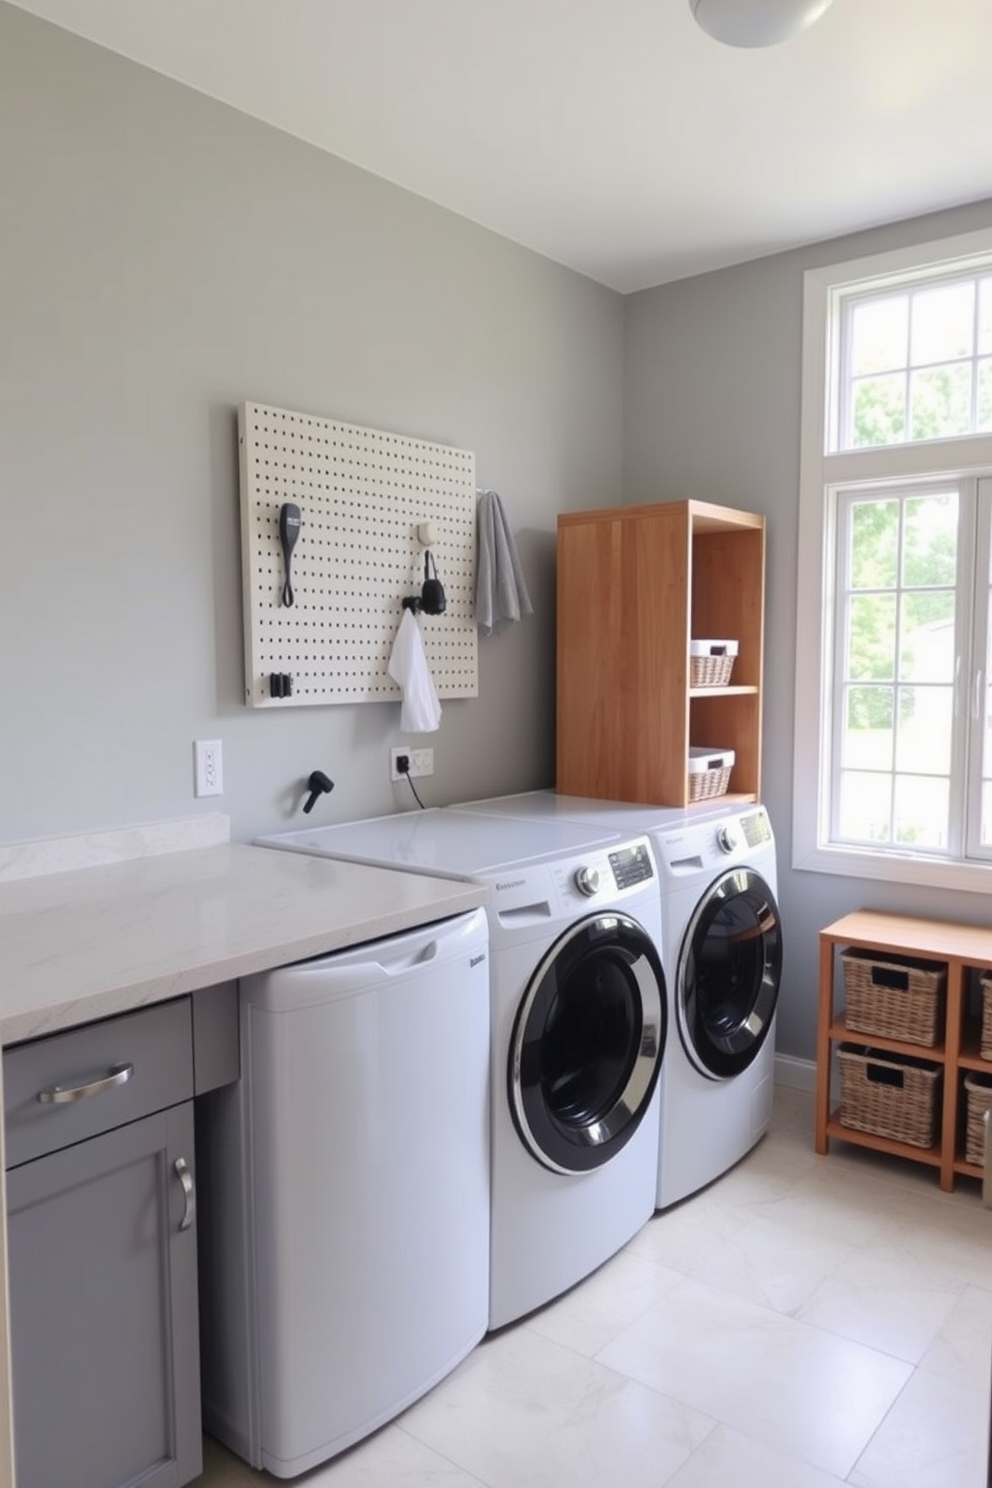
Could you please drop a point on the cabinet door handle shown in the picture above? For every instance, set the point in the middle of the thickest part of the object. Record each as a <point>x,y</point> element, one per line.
<point>58,1095</point>
<point>987,1149</point>
<point>189,1192</point>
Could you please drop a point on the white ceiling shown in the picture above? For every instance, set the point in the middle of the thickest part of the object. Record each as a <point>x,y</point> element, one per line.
<point>613,136</point>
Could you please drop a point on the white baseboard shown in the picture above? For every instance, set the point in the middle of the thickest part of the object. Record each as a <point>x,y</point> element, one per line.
<point>795,1074</point>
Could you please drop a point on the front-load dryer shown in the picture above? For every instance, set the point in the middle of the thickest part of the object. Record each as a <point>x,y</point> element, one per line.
<point>578,1026</point>
<point>722,940</point>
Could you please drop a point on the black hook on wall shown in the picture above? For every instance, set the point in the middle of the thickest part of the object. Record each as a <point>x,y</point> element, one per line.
<point>318,784</point>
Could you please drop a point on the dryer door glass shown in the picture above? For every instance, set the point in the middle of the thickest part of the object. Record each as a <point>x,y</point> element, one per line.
<point>729,971</point>
<point>587,1044</point>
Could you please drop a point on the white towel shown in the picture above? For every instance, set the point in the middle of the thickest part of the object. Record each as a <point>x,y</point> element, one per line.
<point>500,591</point>
<point>421,711</point>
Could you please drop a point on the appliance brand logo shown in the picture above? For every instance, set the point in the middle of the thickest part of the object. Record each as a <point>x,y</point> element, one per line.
<point>513,883</point>
<point>476,960</point>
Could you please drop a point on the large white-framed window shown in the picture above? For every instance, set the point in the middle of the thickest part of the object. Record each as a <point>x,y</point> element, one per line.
<point>893,762</point>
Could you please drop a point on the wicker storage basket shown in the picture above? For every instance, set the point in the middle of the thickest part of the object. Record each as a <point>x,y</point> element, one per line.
<point>711,663</point>
<point>978,1096</point>
<point>985,1048</point>
<point>709,772</point>
<point>891,1096</point>
<point>894,999</point>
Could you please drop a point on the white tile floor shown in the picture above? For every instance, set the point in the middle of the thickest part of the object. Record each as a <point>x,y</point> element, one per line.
<point>804,1322</point>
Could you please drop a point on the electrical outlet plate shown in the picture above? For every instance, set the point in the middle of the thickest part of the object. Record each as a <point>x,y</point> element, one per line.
<point>421,763</point>
<point>209,763</point>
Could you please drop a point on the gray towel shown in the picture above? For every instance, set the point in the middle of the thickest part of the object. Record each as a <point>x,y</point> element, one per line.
<point>500,591</point>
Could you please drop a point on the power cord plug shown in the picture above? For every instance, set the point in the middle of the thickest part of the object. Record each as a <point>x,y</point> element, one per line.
<point>403,768</point>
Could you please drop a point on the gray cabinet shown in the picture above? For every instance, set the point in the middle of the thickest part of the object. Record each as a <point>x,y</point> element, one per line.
<point>102,1253</point>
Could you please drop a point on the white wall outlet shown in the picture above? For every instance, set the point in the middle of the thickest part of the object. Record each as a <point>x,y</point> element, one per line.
<point>209,760</point>
<point>421,762</point>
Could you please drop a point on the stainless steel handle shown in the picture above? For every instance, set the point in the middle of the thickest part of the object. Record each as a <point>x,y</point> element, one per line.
<point>189,1192</point>
<point>59,1095</point>
<point>976,695</point>
<point>986,1154</point>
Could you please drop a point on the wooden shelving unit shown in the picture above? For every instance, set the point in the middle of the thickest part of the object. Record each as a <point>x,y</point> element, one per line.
<point>963,949</point>
<point>635,585</point>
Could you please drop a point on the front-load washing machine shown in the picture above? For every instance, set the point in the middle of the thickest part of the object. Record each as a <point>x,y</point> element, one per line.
<point>723,958</point>
<point>578,1025</point>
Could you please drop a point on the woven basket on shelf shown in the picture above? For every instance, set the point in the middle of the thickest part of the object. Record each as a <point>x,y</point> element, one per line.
<point>985,1048</point>
<point>708,783</point>
<point>978,1096</point>
<point>894,999</point>
<point>890,1096</point>
<point>710,671</point>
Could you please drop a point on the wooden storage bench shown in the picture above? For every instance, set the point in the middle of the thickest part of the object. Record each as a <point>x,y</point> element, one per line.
<point>953,958</point>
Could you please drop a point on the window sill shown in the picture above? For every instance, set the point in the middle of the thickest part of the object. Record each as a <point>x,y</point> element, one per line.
<point>907,868</point>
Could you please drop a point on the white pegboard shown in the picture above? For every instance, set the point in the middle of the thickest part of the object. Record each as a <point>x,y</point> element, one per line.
<point>362,494</point>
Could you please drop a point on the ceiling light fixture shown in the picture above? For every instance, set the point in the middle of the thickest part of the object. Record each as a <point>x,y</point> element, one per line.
<point>756,23</point>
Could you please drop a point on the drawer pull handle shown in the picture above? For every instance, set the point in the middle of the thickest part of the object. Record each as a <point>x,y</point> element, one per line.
<point>59,1095</point>
<point>189,1192</point>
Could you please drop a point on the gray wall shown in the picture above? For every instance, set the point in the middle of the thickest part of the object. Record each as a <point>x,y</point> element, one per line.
<point>162,259</point>
<point>711,410</point>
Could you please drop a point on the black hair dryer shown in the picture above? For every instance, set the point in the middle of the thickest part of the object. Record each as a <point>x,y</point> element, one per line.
<point>432,597</point>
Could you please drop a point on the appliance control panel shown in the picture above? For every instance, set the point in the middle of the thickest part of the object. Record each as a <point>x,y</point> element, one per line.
<point>631,865</point>
<point>608,872</point>
<point>749,830</point>
<point>713,844</point>
<point>756,827</point>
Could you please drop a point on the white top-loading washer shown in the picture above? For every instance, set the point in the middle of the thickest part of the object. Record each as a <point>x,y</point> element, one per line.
<point>579,1016</point>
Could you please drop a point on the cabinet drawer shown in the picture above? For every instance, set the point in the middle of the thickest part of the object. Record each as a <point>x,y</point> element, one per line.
<point>154,1044</point>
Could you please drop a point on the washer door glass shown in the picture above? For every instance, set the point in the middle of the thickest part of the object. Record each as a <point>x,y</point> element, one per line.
<point>587,1044</point>
<point>729,971</point>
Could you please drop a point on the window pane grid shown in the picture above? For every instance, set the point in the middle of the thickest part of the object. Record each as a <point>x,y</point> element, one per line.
<point>894,723</point>
<point>848,816</point>
<point>915,363</point>
<point>901,368</point>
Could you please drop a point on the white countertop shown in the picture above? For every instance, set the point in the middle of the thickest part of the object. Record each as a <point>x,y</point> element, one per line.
<point>95,941</point>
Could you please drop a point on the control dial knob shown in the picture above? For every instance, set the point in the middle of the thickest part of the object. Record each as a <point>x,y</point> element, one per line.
<point>728,837</point>
<point>587,881</point>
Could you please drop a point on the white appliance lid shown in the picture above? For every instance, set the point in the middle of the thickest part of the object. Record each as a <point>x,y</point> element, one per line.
<point>447,841</point>
<point>629,818</point>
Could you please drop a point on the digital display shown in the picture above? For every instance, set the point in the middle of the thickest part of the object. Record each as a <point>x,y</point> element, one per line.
<point>631,865</point>
<point>756,829</point>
